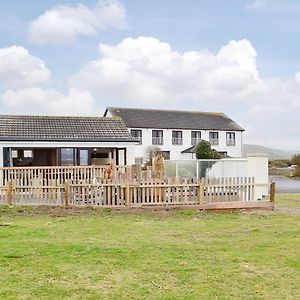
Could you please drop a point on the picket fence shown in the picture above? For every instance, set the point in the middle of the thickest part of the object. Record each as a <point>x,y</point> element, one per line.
<point>86,186</point>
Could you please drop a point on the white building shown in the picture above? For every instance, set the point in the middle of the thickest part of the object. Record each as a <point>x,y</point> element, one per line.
<point>177,132</point>
<point>64,141</point>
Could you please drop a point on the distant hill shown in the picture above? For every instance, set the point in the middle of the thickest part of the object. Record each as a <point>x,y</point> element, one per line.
<point>272,153</point>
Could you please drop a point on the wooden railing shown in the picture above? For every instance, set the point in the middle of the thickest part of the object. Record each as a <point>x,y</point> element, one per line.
<point>45,176</point>
<point>135,193</point>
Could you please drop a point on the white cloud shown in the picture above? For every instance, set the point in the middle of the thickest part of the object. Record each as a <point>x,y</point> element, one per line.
<point>23,77</point>
<point>147,72</point>
<point>242,53</point>
<point>64,23</point>
<point>36,100</point>
<point>18,68</point>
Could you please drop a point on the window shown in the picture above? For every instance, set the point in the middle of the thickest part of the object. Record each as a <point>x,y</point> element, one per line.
<point>68,156</point>
<point>223,154</point>
<point>27,154</point>
<point>166,155</point>
<point>176,137</point>
<point>22,157</point>
<point>157,137</point>
<point>138,160</point>
<point>214,138</point>
<point>195,137</point>
<point>137,134</point>
<point>14,153</point>
<point>83,157</point>
<point>230,138</point>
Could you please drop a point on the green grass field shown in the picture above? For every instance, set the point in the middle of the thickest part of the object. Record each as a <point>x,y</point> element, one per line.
<point>56,253</point>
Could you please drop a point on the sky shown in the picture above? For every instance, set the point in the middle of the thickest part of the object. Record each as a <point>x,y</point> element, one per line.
<point>240,57</point>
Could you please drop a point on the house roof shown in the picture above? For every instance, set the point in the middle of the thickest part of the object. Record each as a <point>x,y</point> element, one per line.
<point>191,149</point>
<point>173,119</point>
<point>71,129</point>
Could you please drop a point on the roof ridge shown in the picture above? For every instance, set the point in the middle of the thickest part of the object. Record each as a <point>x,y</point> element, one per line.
<point>168,110</point>
<point>62,117</point>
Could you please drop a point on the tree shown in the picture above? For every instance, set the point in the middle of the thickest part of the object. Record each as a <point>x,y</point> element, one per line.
<point>204,151</point>
<point>296,161</point>
<point>151,152</point>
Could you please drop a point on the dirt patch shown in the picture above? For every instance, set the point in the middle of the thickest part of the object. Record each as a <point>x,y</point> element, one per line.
<point>160,213</point>
<point>55,211</point>
<point>295,211</point>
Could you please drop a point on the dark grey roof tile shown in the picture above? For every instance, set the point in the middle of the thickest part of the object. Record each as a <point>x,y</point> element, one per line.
<point>174,119</point>
<point>53,128</point>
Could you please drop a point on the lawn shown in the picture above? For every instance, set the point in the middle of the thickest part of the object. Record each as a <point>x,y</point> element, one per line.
<point>56,253</point>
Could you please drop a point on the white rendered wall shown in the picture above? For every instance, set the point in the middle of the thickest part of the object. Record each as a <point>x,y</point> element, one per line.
<point>175,150</point>
<point>1,156</point>
<point>258,168</point>
<point>1,162</point>
<point>131,154</point>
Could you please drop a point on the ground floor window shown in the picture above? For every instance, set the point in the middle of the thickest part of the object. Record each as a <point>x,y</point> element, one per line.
<point>166,155</point>
<point>68,156</point>
<point>83,157</point>
<point>74,157</point>
<point>138,160</point>
<point>22,157</point>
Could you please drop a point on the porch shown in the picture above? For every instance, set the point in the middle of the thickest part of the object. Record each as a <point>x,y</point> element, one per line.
<point>62,156</point>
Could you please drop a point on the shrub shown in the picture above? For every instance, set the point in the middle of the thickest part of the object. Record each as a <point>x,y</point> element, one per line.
<point>204,151</point>
<point>296,161</point>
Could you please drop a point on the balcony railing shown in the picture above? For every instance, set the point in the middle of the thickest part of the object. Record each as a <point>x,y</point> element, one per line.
<point>230,142</point>
<point>214,142</point>
<point>176,141</point>
<point>157,141</point>
<point>195,141</point>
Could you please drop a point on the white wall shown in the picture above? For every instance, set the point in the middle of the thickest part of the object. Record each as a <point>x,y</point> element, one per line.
<point>1,156</point>
<point>175,150</point>
<point>258,168</point>
<point>1,163</point>
<point>131,154</point>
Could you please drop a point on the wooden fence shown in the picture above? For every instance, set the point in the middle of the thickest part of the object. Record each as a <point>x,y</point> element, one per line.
<point>81,186</point>
<point>73,174</point>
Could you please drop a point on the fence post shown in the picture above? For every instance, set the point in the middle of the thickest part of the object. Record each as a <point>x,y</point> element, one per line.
<point>9,193</point>
<point>201,191</point>
<point>66,194</point>
<point>272,193</point>
<point>127,194</point>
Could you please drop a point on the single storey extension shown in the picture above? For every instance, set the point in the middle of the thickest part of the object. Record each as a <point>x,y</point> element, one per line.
<point>176,132</point>
<point>64,141</point>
